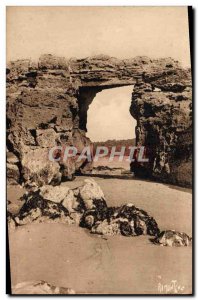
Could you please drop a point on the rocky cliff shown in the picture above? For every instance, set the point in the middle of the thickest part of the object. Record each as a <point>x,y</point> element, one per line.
<point>162,106</point>
<point>47,105</point>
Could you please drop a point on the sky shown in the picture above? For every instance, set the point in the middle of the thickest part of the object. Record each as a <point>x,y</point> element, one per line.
<point>122,32</point>
<point>109,115</point>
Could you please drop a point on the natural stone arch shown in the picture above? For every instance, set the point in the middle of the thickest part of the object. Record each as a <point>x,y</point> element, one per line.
<point>48,100</point>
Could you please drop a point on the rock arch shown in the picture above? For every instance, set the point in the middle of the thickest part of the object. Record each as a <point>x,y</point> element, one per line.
<point>47,105</point>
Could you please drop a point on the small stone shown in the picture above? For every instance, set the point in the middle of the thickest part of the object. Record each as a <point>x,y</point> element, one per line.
<point>11,158</point>
<point>54,193</point>
<point>70,202</point>
<point>13,174</point>
<point>105,228</point>
<point>39,288</point>
<point>172,238</point>
<point>30,217</point>
<point>38,169</point>
<point>90,192</point>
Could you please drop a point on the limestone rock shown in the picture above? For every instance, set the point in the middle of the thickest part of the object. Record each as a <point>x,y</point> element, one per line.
<point>164,128</point>
<point>11,221</point>
<point>11,158</point>
<point>37,209</point>
<point>13,174</point>
<point>89,192</point>
<point>104,228</point>
<point>63,205</point>
<point>39,288</point>
<point>70,202</point>
<point>46,137</point>
<point>47,104</point>
<point>60,194</point>
<point>127,220</point>
<point>172,238</point>
<point>54,193</point>
<point>38,169</point>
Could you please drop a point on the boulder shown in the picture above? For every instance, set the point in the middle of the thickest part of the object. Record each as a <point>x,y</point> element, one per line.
<point>37,209</point>
<point>128,220</point>
<point>89,192</point>
<point>106,228</point>
<point>38,170</point>
<point>172,238</point>
<point>39,288</point>
<point>11,158</point>
<point>60,194</point>
<point>54,193</point>
<point>86,207</point>
<point>13,174</point>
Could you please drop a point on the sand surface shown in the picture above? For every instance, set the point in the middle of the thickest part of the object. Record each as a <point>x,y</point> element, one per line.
<point>70,256</point>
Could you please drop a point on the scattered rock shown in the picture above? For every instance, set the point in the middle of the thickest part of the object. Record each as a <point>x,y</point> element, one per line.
<point>38,170</point>
<point>13,174</point>
<point>54,193</point>
<point>106,228</point>
<point>70,202</point>
<point>89,192</point>
<point>11,221</point>
<point>172,238</point>
<point>11,158</point>
<point>39,288</point>
<point>127,220</point>
<point>86,207</point>
<point>60,194</point>
<point>37,209</point>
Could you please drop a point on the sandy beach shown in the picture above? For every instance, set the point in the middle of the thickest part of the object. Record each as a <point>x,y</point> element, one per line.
<point>70,256</point>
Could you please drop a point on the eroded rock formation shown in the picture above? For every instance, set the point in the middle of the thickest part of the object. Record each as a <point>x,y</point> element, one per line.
<point>162,106</point>
<point>47,105</point>
<point>87,207</point>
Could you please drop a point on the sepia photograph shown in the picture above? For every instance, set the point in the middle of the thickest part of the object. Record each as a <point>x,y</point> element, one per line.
<point>99,150</point>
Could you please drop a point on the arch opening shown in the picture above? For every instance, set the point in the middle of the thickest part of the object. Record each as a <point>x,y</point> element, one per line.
<point>109,117</point>
<point>105,116</point>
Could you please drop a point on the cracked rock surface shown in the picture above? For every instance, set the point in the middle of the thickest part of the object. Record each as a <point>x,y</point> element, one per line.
<point>47,103</point>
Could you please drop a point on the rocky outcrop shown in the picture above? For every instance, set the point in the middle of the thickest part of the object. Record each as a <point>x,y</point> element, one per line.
<point>127,220</point>
<point>47,105</point>
<point>51,204</point>
<point>87,207</point>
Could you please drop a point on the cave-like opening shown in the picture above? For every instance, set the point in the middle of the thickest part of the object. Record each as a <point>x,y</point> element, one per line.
<point>108,116</point>
<point>104,115</point>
